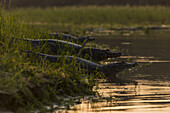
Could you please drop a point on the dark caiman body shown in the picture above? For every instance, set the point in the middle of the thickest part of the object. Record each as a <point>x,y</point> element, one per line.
<point>60,45</point>
<point>71,38</point>
<point>109,70</point>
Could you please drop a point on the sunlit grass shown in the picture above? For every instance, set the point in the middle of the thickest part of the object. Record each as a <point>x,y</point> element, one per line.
<point>19,74</point>
<point>17,71</point>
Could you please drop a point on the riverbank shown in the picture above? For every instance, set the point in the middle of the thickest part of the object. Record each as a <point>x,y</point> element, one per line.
<point>30,83</point>
<point>25,79</point>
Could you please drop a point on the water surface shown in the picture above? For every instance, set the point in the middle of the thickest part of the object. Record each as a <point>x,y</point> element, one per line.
<point>152,94</point>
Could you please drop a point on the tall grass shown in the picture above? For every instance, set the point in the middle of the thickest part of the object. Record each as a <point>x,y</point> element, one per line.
<point>94,16</point>
<point>31,83</point>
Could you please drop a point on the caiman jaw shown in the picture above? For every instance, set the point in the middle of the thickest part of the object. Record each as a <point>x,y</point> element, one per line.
<point>114,54</point>
<point>124,65</point>
<point>114,68</point>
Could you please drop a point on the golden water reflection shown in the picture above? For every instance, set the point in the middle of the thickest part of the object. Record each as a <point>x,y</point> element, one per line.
<point>148,96</point>
<point>152,95</point>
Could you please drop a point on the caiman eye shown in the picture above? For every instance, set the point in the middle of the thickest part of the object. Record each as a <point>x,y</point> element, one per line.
<point>123,62</point>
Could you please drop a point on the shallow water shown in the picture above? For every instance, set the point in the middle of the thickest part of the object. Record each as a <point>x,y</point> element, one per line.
<point>152,94</point>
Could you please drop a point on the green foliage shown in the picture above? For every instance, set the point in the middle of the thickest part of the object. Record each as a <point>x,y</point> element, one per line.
<point>31,82</point>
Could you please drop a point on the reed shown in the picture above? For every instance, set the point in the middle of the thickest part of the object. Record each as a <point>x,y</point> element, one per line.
<point>30,83</point>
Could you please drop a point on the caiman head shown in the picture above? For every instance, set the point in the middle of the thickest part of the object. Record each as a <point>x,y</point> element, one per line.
<point>102,54</point>
<point>114,68</point>
<point>81,39</point>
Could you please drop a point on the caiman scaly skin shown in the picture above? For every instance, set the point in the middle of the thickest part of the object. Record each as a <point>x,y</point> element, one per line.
<point>70,38</point>
<point>109,70</point>
<point>60,45</point>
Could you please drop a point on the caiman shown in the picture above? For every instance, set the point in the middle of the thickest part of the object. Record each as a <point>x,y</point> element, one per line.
<point>71,38</point>
<point>59,45</point>
<point>109,70</point>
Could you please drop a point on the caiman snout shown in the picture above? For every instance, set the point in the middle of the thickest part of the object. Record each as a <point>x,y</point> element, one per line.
<point>90,38</point>
<point>135,64</point>
<point>114,68</point>
<point>81,39</point>
<point>111,54</point>
<point>128,65</point>
<point>119,54</point>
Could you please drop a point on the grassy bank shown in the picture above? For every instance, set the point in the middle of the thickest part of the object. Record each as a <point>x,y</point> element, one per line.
<point>30,83</point>
<point>80,18</point>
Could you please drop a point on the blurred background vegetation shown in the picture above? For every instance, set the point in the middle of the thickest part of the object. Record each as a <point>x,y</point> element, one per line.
<point>51,3</point>
<point>79,15</point>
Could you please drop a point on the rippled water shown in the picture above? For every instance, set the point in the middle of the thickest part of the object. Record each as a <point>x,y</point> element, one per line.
<point>152,94</point>
<point>146,97</point>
